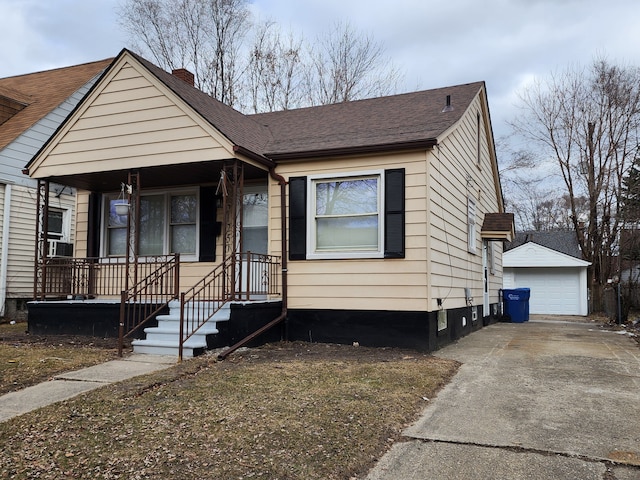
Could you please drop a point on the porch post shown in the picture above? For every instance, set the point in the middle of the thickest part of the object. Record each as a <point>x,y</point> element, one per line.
<point>133,230</point>
<point>42,227</point>
<point>231,184</point>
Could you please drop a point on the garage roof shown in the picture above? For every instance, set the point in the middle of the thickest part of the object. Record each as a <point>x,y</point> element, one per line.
<point>531,254</point>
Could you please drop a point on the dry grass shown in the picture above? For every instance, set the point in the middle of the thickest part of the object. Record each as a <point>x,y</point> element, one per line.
<point>284,411</point>
<point>26,360</point>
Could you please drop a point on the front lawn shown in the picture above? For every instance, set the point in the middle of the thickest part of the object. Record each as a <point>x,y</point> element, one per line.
<point>283,411</point>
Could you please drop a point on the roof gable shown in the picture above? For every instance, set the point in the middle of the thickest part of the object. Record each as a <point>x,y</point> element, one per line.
<point>239,129</point>
<point>531,254</point>
<point>129,120</point>
<point>40,93</point>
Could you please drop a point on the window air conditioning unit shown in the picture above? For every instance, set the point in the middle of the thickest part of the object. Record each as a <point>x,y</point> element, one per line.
<point>60,249</point>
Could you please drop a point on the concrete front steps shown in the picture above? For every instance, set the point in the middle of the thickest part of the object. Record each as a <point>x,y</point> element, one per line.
<point>165,338</point>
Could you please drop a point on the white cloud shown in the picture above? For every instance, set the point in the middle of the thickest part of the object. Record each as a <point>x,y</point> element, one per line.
<point>42,34</point>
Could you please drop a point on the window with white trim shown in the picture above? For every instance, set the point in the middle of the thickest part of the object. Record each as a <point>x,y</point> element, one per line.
<point>345,214</point>
<point>471,225</point>
<point>56,224</point>
<point>58,232</point>
<point>168,224</point>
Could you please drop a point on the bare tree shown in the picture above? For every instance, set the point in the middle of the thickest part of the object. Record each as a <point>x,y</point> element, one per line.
<point>276,70</point>
<point>587,121</point>
<point>347,65</point>
<point>205,36</point>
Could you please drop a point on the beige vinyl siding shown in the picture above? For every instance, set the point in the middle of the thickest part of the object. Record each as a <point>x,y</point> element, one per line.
<point>362,284</point>
<point>454,176</point>
<point>81,224</point>
<point>132,122</point>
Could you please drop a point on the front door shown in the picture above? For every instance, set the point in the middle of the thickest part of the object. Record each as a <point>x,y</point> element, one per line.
<point>255,210</point>
<point>254,239</point>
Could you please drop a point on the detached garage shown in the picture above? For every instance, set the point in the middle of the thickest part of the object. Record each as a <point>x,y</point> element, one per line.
<point>558,281</point>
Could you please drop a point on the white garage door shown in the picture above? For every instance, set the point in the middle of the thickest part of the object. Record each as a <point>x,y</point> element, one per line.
<point>554,291</point>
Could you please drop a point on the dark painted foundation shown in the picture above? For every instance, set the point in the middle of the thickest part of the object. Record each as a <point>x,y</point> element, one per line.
<point>100,319</point>
<point>246,319</point>
<point>414,330</point>
<point>74,318</point>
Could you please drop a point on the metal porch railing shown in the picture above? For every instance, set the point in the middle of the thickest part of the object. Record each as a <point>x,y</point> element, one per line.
<point>66,277</point>
<point>240,277</point>
<point>148,297</point>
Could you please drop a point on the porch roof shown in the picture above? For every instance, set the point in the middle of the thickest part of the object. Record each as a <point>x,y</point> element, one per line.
<point>498,226</point>
<point>196,173</point>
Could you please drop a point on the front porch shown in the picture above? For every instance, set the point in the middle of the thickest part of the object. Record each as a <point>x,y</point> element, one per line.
<point>142,300</point>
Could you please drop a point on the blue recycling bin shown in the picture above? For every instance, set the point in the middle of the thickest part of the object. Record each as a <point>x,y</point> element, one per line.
<point>516,304</point>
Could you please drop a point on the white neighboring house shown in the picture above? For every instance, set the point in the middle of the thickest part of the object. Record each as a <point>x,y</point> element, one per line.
<point>558,281</point>
<point>32,106</point>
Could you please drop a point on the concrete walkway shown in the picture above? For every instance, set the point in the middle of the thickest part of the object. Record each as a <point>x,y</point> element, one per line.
<point>70,384</point>
<point>540,400</point>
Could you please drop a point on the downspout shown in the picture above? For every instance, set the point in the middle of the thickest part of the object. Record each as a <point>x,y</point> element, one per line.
<point>283,234</point>
<point>283,314</point>
<point>4,249</point>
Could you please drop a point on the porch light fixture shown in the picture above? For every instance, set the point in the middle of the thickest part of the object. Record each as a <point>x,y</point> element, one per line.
<point>122,204</point>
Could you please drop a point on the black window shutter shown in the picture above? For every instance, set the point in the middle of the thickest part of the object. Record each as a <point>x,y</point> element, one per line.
<point>394,213</point>
<point>297,218</point>
<point>208,224</point>
<point>93,225</point>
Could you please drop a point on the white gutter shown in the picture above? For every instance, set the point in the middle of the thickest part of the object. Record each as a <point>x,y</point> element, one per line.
<point>4,248</point>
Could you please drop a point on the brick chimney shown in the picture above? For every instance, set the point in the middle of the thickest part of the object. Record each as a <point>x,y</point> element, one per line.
<point>184,75</point>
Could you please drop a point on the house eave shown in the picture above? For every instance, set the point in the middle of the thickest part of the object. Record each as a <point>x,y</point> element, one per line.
<point>254,156</point>
<point>355,150</point>
<point>503,236</point>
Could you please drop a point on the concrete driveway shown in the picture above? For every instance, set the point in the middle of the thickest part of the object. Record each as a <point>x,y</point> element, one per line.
<point>545,399</point>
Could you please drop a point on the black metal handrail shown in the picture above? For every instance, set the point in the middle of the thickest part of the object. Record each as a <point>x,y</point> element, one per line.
<point>240,276</point>
<point>148,297</point>
<point>67,277</point>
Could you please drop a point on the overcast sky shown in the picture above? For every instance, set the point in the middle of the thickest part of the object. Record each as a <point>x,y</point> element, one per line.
<point>435,43</point>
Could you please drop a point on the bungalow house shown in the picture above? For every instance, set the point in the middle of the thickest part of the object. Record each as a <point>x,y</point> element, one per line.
<point>31,108</point>
<point>377,221</point>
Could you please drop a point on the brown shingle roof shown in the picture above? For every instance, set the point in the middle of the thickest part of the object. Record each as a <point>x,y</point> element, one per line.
<point>498,225</point>
<point>384,122</point>
<point>410,120</point>
<point>42,92</point>
<point>398,121</point>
